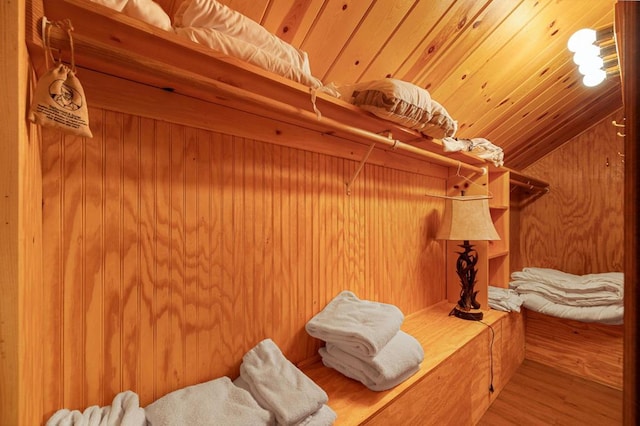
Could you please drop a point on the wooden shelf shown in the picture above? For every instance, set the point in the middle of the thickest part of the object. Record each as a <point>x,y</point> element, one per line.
<point>498,253</point>
<point>114,44</point>
<point>501,207</point>
<point>442,337</point>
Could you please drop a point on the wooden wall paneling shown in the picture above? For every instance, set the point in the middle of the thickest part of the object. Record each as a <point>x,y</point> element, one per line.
<point>403,39</point>
<point>339,18</point>
<point>191,290</point>
<point>448,28</point>
<point>73,309</point>
<point>113,152</point>
<point>379,22</point>
<point>592,351</point>
<point>479,27</point>
<point>130,286</point>
<point>290,21</point>
<point>627,24</point>
<point>93,254</point>
<point>586,178</point>
<point>146,361</point>
<point>168,244</point>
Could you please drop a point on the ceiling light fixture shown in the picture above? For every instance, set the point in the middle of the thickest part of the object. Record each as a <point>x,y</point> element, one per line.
<point>594,51</point>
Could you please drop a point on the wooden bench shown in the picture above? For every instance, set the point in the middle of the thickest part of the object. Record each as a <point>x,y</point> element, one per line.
<point>452,386</point>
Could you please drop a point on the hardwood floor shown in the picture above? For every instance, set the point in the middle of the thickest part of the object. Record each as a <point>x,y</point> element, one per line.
<point>541,395</point>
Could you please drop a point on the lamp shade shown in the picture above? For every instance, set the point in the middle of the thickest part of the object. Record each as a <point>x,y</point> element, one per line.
<point>467,218</point>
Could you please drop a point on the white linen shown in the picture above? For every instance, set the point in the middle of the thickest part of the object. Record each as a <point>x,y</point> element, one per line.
<point>144,10</point>
<point>612,282</point>
<point>481,147</point>
<point>325,416</point>
<point>504,299</point>
<point>212,14</point>
<point>248,52</point>
<point>605,314</point>
<point>124,410</point>
<point>280,386</point>
<point>359,326</point>
<point>397,361</point>
<point>216,402</point>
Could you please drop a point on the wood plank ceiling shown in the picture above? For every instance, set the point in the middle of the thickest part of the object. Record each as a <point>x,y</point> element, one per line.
<point>500,67</point>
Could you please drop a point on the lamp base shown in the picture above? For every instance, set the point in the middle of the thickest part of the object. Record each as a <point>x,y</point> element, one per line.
<point>470,315</point>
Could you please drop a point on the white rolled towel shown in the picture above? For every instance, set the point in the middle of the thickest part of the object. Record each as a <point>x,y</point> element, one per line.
<point>124,410</point>
<point>396,362</point>
<point>280,386</point>
<point>360,326</point>
<point>216,402</point>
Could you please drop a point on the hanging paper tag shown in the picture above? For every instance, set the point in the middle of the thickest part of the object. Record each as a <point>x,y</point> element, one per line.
<point>59,102</point>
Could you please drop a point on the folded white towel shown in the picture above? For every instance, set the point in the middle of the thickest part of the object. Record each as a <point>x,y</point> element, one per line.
<point>396,362</point>
<point>361,326</point>
<point>280,386</point>
<point>504,299</point>
<point>216,402</point>
<point>325,416</point>
<point>124,410</point>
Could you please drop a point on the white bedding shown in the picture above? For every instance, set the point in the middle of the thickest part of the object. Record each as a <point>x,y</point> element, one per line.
<point>605,314</point>
<point>587,298</point>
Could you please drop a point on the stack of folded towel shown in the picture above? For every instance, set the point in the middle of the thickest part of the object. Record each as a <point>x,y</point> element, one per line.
<point>364,341</point>
<point>281,388</point>
<point>504,299</point>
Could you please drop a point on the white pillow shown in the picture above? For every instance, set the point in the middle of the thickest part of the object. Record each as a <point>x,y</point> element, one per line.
<point>403,103</point>
<point>212,14</point>
<point>248,52</point>
<point>149,12</point>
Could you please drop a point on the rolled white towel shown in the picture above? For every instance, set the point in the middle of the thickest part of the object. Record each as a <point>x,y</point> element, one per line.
<point>280,386</point>
<point>124,410</point>
<point>396,362</point>
<point>216,402</point>
<point>361,326</point>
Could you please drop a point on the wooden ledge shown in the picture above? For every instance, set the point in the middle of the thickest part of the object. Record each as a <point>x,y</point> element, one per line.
<point>113,43</point>
<point>441,336</point>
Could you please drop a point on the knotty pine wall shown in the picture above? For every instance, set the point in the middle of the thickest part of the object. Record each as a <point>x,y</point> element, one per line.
<point>170,251</point>
<point>578,228</point>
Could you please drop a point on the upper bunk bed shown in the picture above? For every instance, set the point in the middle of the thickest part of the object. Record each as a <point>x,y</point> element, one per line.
<point>109,44</point>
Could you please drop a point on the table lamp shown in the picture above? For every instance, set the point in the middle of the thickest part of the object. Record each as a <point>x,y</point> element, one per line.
<point>467,219</point>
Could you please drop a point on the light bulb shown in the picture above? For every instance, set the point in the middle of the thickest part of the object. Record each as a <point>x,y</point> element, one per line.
<point>594,63</point>
<point>586,54</point>
<point>595,78</point>
<point>583,37</point>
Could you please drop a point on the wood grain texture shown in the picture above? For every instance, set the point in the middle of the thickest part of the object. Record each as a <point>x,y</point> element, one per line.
<point>628,23</point>
<point>501,69</point>
<point>591,351</point>
<point>171,251</point>
<point>540,395</point>
<point>578,226</point>
<point>458,359</point>
<point>21,303</point>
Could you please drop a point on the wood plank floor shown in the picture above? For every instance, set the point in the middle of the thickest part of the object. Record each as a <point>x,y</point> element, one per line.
<point>541,395</point>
